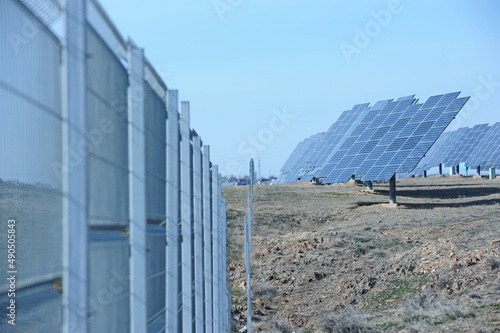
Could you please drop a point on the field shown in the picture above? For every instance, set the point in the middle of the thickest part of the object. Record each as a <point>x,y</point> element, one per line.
<point>335,259</point>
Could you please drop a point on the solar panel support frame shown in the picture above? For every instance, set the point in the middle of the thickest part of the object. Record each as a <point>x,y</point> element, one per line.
<point>493,174</point>
<point>392,190</point>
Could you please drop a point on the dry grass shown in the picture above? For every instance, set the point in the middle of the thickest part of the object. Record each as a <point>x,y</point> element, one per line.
<point>346,322</point>
<point>323,249</point>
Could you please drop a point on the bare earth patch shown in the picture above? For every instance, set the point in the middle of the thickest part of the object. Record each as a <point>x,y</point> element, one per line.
<point>334,259</point>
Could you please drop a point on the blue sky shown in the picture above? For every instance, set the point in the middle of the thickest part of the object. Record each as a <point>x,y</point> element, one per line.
<point>263,75</point>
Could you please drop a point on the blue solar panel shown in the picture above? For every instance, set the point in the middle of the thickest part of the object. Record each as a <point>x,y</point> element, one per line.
<point>393,139</point>
<point>467,144</point>
<point>453,148</point>
<point>433,156</point>
<point>285,170</point>
<point>335,136</point>
<point>405,97</point>
<point>376,142</point>
<point>293,167</point>
<point>487,153</point>
<point>364,115</point>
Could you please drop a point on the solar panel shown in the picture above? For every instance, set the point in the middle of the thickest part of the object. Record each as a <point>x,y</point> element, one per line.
<point>292,168</point>
<point>405,98</point>
<point>375,142</point>
<point>433,157</point>
<point>466,144</point>
<point>453,148</point>
<point>392,139</point>
<point>288,164</point>
<point>343,130</point>
<point>305,161</point>
<point>487,153</point>
<point>319,149</point>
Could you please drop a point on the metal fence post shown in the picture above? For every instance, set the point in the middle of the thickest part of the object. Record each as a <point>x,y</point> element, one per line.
<point>198,233</point>
<point>248,246</point>
<point>215,248</point>
<point>186,219</point>
<point>137,186</point>
<point>207,239</point>
<point>173,203</point>
<point>226,292</point>
<point>75,228</point>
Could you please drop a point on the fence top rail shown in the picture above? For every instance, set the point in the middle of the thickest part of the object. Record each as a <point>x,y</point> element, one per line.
<point>154,80</point>
<point>42,16</point>
<point>102,24</point>
<point>47,11</point>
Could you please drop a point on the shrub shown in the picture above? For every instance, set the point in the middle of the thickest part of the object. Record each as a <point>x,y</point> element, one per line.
<point>379,253</point>
<point>444,282</point>
<point>428,305</point>
<point>280,327</point>
<point>264,291</point>
<point>346,322</point>
<point>493,263</point>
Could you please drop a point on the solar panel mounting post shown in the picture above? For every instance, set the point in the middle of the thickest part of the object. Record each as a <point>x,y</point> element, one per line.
<point>425,174</point>
<point>493,173</point>
<point>440,169</point>
<point>392,190</point>
<point>478,170</point>
<point>369,185</point>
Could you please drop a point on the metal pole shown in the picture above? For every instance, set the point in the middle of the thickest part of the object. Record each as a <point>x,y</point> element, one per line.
<point>369,185</point>
<point>440,169</point>
<point>392,190</point>
<point>75,183</point>
<point>198,233</point>
<point>493,173</point>
<point>186,219</point>
<point>215,248</point>
<point>172,204</point>
<point>207,240</point>
<point>137,190</point>
<point>248,246</point>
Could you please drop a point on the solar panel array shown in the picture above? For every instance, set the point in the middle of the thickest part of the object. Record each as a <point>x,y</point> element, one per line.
<point>305,162</point>
<point>434,156</point>
<point>374,143</point>
<point>293,166</point>
<point>336,134</point>
<point>466,143</point>
<point>487,153</point>
<point>476,146</point>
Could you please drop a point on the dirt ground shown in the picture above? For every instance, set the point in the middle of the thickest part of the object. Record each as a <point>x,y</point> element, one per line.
<point>335,259</point>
